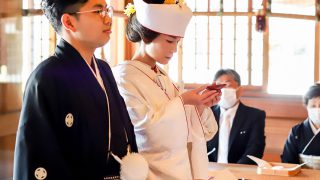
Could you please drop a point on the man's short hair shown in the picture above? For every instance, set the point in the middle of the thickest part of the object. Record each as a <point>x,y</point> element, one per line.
<point>54,9</point>
<point>229,72</point>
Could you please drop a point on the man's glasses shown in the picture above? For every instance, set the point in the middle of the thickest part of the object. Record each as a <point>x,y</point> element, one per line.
<point>107,10</point>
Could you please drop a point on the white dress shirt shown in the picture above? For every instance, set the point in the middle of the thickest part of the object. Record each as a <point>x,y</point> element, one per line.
<point>225,125</point>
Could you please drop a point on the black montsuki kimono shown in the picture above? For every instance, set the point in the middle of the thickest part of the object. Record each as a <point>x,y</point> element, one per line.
<point>299,137</point>
<point>63,130</point>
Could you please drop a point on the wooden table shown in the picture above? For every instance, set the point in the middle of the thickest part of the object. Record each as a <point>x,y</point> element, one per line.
<point>250,172</point>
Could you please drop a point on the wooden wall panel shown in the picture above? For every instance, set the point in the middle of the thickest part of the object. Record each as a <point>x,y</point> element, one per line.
<point>6,156</point>
<point>282,114</point>
<point>279,107</point>
<point>277,131</point>
<point>10,7</point>
<point>9,123</point>
<point>10,97</point>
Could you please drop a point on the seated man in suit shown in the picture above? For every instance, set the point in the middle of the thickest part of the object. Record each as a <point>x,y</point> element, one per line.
<point>241,128</point>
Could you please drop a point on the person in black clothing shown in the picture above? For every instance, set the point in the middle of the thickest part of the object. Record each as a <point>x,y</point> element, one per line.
<point>304,138</point>
<point>73,117</point>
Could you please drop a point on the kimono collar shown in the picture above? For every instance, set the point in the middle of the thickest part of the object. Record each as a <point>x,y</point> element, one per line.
<point>66,51</point>
<point>146,68</point>
<point>155,69</point>
<point>313,128</point>
<point>309,126</point>
<point>306,124</point>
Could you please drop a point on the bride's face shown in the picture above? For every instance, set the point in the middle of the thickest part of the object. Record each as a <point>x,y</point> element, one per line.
<point>162,48</point>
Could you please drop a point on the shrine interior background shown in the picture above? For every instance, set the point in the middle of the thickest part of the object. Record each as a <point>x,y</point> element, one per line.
<point>277,57</point>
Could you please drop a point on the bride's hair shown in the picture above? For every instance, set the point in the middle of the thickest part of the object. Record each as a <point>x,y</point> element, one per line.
<point>136,32</point>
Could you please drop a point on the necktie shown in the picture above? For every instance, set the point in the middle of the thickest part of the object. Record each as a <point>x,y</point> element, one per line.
<point>224,133</point>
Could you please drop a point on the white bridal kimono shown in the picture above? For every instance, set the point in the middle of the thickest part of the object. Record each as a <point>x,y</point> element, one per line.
<point>163,125</point>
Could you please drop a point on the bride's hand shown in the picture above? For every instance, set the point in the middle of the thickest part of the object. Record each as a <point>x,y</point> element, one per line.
<point>201,97</point>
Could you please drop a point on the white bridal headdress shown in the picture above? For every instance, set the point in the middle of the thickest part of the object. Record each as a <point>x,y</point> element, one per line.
<point>170,19</point>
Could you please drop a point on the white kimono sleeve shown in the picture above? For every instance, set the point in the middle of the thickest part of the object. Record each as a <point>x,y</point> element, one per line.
<point>143,115</point>
<point>209,123</point>
<point>202,128</point>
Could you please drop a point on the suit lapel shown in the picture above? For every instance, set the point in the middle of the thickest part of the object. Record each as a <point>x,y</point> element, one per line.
<point>216,112</point>
<point>238,121</point>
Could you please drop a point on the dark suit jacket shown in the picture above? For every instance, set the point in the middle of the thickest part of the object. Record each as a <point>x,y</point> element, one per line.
<point>246,135</point>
